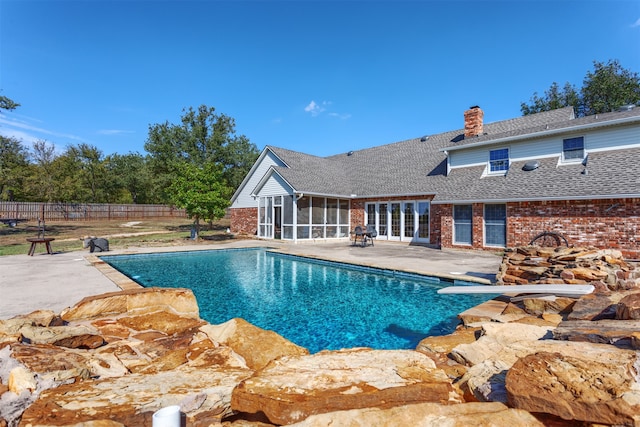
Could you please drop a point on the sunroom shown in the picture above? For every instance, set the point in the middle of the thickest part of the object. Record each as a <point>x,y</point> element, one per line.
<point>288,214</point>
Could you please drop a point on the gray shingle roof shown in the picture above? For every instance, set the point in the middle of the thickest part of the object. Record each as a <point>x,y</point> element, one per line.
<point>536,125</point>
<point>416,167</point>
<point>610,173</point>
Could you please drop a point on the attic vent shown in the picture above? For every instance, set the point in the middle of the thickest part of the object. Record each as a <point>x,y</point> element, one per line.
<point>350,153</point>
<point>424,138</point>
<point>627,107</point>
<point>530,166</point>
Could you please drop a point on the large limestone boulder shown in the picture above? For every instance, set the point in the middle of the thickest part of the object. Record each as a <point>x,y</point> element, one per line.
<point>629,307</point>
<point>438,349</point>
<point>616,332</point>
<point>486,380</point>
<point>256,345</point>
<point>446,343</point>
<point>204,394</point>
<point>139,301</point>
<point>292,388</point>
<point>495,337</point>
<point>426,414</point>
<point>83,336</point>
<point>601,388</point>
<point>121,365</point>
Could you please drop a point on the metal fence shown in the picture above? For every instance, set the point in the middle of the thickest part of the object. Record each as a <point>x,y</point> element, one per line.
<point>85,211</point>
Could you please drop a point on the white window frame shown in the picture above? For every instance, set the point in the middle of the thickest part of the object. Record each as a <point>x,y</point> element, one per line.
<point>415,223</point>
<point>563,157</point>
<point>490,162</point>
<point>458,222</point>
<point>486,223</point>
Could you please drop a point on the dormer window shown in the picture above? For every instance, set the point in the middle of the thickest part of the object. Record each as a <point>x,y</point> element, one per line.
<point>573,149</point>
<point>499,161</point>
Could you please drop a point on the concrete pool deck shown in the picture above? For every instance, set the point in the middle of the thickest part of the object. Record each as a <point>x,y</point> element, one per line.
<point>54,282</point>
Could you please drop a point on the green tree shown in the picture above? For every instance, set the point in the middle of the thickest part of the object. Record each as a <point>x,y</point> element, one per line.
<point>605,89</point>
<point>553,98</point>
<point>201,191</point>
<point>202,137</point>
<point>91,172</point>
<point>42,182</point>
<point>68,185</point>
<point>14,163</point>
<point>131,173</point>
<point>7,103</point>
<point>609,87</point>
<point>14,159</point>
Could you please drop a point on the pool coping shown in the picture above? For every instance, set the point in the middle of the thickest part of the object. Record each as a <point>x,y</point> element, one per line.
<point>126,283</point>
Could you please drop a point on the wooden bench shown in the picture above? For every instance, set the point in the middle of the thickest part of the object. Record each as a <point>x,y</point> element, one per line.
<point>35,240</point>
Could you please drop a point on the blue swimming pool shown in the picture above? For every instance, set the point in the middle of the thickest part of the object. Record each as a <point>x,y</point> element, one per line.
<point>316,304</point>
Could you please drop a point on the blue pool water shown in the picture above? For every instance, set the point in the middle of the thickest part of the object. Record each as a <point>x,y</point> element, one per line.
<point>316,304</point>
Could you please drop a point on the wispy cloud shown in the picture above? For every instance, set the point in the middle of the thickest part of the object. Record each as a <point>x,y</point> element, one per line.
<point>19,128</point>
<point>341,116</point>
<point>315,109</point>
<point>114,132</point>
<point>636,24</point>
<point>25,137</point>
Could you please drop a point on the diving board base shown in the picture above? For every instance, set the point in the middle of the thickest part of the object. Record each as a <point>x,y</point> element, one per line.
<point>564,290</point>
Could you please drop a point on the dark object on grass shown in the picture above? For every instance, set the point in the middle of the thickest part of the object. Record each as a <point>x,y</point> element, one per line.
<point>96,244</point>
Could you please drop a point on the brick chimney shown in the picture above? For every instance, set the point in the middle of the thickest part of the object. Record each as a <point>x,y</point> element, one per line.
<point>473,122</point>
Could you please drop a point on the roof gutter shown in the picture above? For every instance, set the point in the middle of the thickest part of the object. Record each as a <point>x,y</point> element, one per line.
<point>537,199</point>
<point>382,196</point>
<point>625,120</point>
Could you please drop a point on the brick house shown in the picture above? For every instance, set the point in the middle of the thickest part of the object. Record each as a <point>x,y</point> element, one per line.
<point>486,186</point>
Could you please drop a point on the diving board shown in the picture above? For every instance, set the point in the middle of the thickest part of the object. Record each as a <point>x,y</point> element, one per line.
<point>568,290</point>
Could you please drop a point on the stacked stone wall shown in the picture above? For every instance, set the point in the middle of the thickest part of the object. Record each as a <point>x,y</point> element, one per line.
<point>604,268</point>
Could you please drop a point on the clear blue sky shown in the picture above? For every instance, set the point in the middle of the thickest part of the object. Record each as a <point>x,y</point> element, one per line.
<point>322,77</point>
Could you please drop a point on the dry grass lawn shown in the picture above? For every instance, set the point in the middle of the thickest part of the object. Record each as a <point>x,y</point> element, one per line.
<point>121,234</point>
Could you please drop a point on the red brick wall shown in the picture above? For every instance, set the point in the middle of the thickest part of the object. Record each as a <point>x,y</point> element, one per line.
<point>444,230</point>
<point>244,221</point>
<point>357,213</point>
<point>441,225</point>
<point>601,223</point>
<point>608,223</point>
<point>604,224</point>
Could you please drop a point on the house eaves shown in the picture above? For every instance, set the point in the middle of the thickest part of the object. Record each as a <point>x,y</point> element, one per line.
<point>535,199</point>
<point>382,196</point>
<point>272,170</point>
<point>273,151</point>
<point>253,169</point>
<point>337,196</point>
<point>546,132</point>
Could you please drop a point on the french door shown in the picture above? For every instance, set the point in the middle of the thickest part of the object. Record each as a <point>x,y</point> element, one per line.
<point>406,221</point>
<point>396,221</point>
